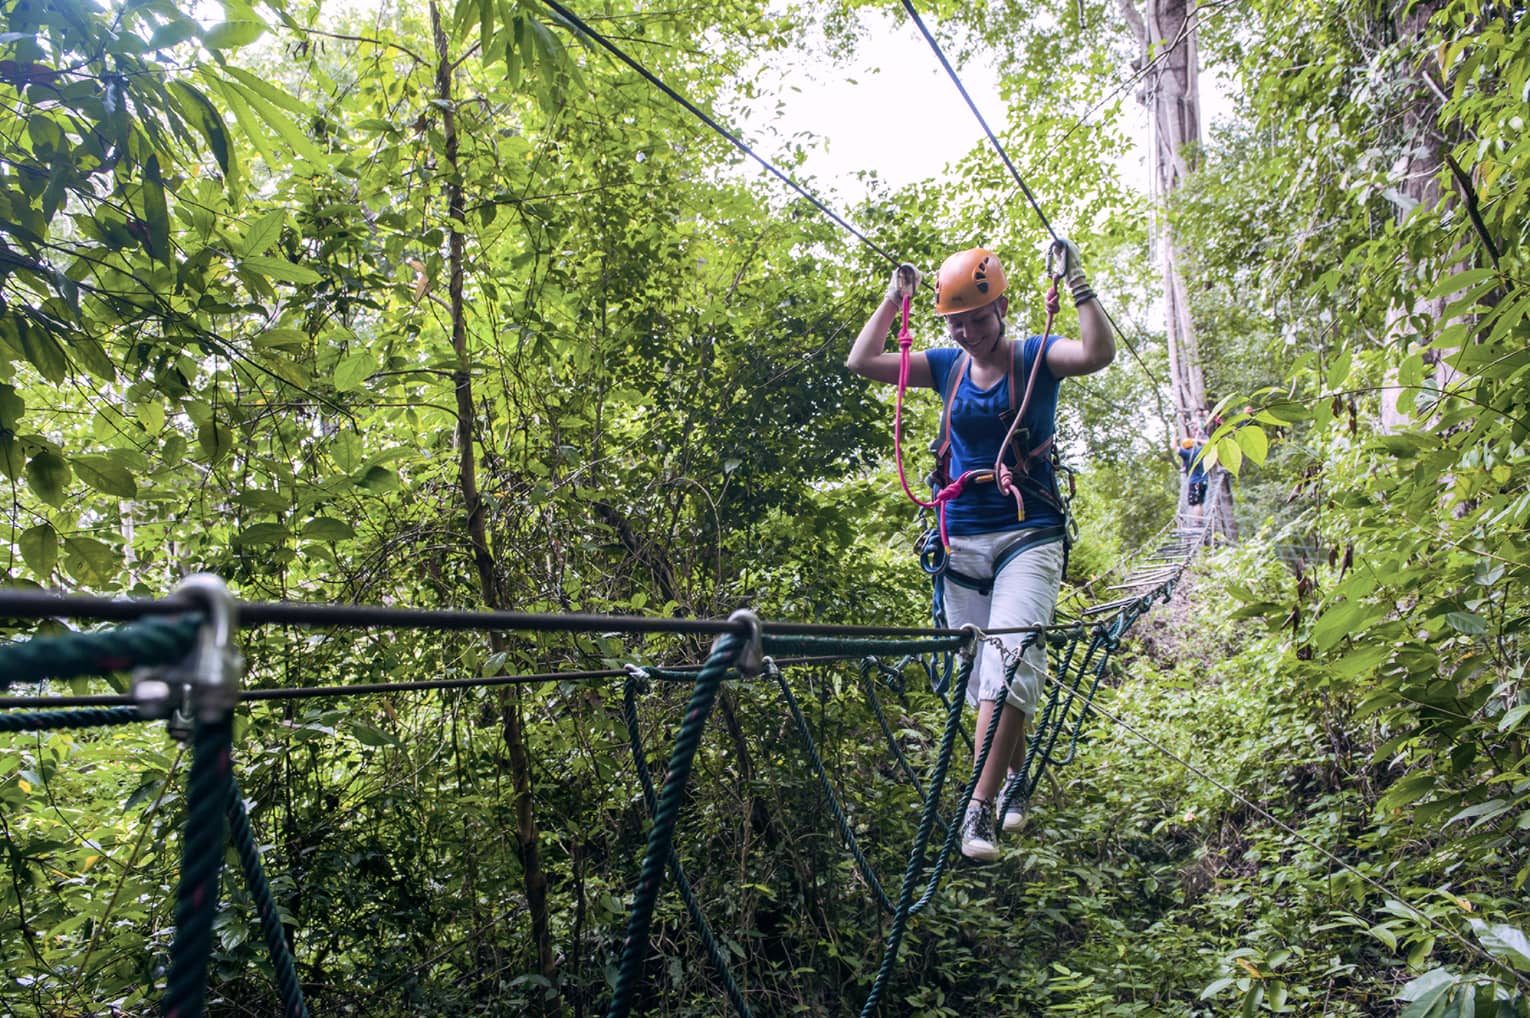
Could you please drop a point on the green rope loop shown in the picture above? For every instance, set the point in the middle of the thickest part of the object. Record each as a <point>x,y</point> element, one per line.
<point>661,835</point>
<point>147,642</point>
<point>1039,754</point>
<point>37,721</point>
<point>846,833</point>
<point>638,682</point>
<point>287,985</point>
<point>892,740</point>
<point>202,844</point>
<point>891,675</point>
<point>921,836</point>
<point>948,848</point>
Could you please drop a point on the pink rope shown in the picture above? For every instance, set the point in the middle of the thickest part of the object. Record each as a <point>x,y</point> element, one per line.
<point>1002,474</point>
<point>951,491</point>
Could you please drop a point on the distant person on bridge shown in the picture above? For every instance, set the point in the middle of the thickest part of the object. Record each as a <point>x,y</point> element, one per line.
<point>1193,467</point>
<point>1007,527</point>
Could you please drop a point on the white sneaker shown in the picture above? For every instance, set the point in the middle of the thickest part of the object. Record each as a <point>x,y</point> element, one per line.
<point>978,838</point>
<point>1017,805</point>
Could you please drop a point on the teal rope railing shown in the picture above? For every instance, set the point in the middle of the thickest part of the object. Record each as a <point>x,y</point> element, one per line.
<point>287,985</point>
<point>160,641</point>
<point>196,898</point>
<point>714,950</point>
<point>953,835</point>
<point>42,720</point>
<point>661,835</point>
<point>147,642</point>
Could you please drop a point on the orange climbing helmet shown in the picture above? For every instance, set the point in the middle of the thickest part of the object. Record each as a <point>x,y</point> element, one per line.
<point>969,279</point>
<point>1187,443</point>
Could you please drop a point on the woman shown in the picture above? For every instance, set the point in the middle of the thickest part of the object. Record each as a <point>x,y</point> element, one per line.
<point>1006,549</point>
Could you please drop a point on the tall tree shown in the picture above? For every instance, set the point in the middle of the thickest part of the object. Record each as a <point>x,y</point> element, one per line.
<point>1166,35</point>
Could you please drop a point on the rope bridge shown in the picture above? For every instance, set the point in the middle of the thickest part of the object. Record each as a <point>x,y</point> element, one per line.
<point>185,666</point>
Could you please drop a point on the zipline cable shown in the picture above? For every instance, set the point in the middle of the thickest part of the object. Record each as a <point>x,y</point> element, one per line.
<point>957,81</point>
<point>19,604</point>
<point>578,23</point>
<point>1019,180</point>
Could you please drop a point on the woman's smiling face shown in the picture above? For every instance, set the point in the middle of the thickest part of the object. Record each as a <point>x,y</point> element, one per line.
<point>980,329</point>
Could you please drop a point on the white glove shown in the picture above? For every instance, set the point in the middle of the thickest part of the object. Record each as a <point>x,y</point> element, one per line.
<point>905,281</point>
<point>1064,260</point>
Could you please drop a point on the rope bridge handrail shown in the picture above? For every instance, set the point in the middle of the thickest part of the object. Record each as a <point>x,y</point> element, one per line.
<point>152,638</point>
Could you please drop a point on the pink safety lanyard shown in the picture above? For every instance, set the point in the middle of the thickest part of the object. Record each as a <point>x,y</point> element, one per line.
<point>1001,473</point>
<point>1003,476</point>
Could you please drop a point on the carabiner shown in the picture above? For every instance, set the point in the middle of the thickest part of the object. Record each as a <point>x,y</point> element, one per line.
<point>1054,250</point>
<point>933,558</point>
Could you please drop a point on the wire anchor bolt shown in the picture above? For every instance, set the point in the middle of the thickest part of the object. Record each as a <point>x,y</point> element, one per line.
<point>204,685</point>
<point>750,659</point>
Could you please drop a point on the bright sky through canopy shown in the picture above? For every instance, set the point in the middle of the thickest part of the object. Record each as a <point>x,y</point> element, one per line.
<point>891,109</point>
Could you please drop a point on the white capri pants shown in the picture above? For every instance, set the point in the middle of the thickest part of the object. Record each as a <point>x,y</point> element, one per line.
<point>1023,594</point>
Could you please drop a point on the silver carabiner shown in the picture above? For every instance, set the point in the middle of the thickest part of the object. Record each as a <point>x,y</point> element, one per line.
<point>1056,250</point>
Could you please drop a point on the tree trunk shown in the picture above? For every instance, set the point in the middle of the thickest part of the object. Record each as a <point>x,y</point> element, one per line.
<point>1166,33</point>
<point>512,719</point>
<point>1416,176</point>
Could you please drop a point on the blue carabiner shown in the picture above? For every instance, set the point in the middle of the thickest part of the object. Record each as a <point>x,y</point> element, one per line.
<point>932,553</point>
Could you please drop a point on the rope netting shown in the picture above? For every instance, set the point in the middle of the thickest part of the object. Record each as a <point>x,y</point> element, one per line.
<point>216,814</point>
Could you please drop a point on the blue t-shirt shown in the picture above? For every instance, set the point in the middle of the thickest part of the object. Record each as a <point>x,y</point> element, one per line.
<point>979,420</point>
<point>1198,471</point>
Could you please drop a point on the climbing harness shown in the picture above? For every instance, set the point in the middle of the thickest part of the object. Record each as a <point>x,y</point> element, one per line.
<point>946,488</point>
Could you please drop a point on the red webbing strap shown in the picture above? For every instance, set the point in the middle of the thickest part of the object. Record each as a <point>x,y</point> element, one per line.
<point>952,490</point>
<point>953,382</point>
<point>1003,476</point>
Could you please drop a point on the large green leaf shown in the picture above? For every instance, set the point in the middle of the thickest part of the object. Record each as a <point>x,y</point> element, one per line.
<point>105,476</point>
<point>42,350</point>
<point>240,27</point>
<point>39,549</point>
<point>261,533</point>
<point>326,528</point>
<point>201,113</point>
<point>48,475</point>
<point>281,269</point>
<point>353,370</point>
<point>156,215</point>
<point>12,406</point>
<point>89,561</point>
<point>263,233</point>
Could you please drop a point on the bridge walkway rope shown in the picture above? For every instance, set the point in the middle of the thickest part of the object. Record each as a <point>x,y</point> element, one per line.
<point>184,660</point>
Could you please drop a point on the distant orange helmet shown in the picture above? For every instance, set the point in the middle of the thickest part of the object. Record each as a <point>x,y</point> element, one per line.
<point>1187,443</point>
<point>969,279</point>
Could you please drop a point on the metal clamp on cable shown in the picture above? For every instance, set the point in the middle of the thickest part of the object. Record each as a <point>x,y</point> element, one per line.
<point>639,676</point>
<point>204,685</point>
<point>750,660</point>
<point>975,636</point>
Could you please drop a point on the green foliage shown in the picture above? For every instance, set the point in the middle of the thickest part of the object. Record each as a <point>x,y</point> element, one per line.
<point>226,343</point>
